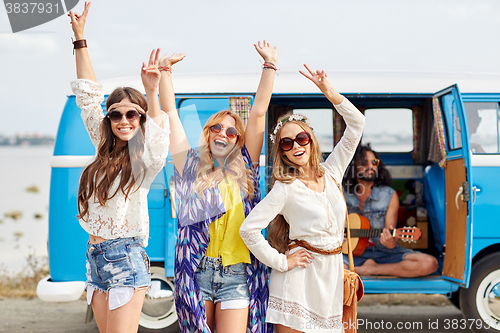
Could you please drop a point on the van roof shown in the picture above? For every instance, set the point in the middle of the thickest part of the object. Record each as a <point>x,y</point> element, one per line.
<point>343,81</point>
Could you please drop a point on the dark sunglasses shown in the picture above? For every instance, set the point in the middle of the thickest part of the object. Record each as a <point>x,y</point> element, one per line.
<point>303,139</point>
<point>374,162</point>
<point>231,132</point>
<point>116,116</point>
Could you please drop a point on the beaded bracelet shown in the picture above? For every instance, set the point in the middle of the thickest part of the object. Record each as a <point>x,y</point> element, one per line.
<point>167,68</point>
<point>269,65</point>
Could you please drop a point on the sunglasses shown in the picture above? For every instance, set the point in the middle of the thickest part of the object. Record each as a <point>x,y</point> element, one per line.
<point>117,116</point>
<point>303,139</point>
<point>231,132</point>
<point>374,162</point>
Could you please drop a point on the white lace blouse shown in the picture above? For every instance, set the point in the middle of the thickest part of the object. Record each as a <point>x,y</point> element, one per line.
<point>316,217</point>
<point>121,218</point>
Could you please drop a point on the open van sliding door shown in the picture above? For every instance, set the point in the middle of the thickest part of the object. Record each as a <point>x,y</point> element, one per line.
<point>457,253</point>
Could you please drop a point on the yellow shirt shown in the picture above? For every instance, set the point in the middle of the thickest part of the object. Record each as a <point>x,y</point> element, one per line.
<point>225,240</point>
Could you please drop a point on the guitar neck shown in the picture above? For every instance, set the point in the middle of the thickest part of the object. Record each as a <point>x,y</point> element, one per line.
<point>366,233</point>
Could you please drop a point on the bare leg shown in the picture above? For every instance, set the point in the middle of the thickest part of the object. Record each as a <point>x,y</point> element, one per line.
<point>210,311</point>
<point>100,309</point>
<point>285,329</point>
<point>414,264</point>
<point>126,318</point>
<point>231,320</point>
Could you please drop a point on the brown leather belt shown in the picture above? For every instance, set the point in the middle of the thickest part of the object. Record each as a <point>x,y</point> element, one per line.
<point>311,248</point>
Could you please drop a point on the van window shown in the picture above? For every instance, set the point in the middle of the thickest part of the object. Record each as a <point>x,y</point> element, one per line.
<point>321,120</point>
<point>389,130</point>
<point>483,126</point>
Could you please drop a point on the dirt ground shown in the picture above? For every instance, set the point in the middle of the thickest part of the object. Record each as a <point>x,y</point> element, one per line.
<point>35,316</point>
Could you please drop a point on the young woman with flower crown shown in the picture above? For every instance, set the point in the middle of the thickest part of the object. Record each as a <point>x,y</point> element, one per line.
<point>307,213</point>
<point>131,143</point>
<point>218,283</point>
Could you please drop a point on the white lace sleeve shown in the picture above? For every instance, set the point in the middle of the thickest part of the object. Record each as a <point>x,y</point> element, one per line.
<point>156,142</point>
<point>89,96</point>
<point>258,219</point>
<point>343,152</point>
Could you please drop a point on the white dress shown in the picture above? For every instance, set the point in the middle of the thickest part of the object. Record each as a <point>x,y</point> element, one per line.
<point>308,299</point>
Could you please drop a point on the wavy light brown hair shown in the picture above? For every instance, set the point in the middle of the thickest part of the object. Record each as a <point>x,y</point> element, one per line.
<point>234,164</point>
<point>98,177</point>
<point>286,171</point>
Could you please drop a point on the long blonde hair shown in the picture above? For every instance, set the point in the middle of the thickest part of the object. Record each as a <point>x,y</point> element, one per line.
<point>286,171</point>
<point>236,169</point>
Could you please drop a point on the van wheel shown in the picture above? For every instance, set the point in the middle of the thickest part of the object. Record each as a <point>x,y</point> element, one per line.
<point>481,301</point>
<point>158,312</point>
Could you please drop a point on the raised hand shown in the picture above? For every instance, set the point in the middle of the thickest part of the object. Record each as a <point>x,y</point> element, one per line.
<point>268,53</point>
<point>319,78</point>
<point>300,258</point>
<point>78,21</point>
<point>150,74</point>
<point>167,61</point>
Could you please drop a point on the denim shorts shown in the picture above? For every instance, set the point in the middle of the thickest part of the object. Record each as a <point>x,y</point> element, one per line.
<point>219,283</point>
<point>114,263</point>
<point>381,255</point>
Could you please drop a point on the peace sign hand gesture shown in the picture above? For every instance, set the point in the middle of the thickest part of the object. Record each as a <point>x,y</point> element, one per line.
<point>150,74</point>
<point>319,79</point>
<point>78,21</point>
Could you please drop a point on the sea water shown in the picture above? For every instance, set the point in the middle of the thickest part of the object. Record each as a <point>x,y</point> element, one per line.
<point>24,193</point>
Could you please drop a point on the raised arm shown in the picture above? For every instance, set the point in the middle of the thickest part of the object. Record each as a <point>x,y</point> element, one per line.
<point>89,94</point>
<point>254,135</point>
<point>179,144</point>
<point>343,152</point>
<point>83,66</point>
<point>150,75</point>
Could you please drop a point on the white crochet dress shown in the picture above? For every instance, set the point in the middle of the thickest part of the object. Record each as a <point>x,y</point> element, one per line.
<point>308,299</point>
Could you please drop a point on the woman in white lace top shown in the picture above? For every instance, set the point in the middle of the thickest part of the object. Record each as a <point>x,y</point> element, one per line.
<point>131,144</point>
<point>307,212</point>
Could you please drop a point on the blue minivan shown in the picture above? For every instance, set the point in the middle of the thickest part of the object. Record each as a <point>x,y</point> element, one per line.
<point>442,149</point>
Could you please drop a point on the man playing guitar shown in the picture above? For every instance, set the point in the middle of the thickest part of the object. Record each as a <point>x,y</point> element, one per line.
<point>367,192</point>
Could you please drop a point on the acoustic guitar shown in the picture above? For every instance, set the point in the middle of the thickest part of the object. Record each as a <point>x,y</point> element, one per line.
<point>361,232</point>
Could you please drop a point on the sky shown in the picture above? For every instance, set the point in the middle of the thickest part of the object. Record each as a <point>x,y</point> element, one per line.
<point>364,45</point>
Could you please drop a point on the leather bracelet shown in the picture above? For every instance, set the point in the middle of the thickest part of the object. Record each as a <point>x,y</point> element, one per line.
<point>79,44</point>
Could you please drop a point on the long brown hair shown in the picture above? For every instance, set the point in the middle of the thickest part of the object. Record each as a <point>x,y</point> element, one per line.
<point>99,176</point>
<point>236,168</point>
<point>286,171</point>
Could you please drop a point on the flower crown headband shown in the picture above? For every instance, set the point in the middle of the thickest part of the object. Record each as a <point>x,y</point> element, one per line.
<point>296,117</point>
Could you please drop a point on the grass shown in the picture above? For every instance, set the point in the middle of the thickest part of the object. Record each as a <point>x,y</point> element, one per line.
<point>24,283</point>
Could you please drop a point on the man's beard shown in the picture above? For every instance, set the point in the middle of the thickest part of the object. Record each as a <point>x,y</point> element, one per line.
<point>371,178</point>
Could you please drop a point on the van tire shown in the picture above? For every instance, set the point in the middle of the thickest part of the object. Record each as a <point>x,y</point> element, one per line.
<point>164,321</point>
<point>475,300</point>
